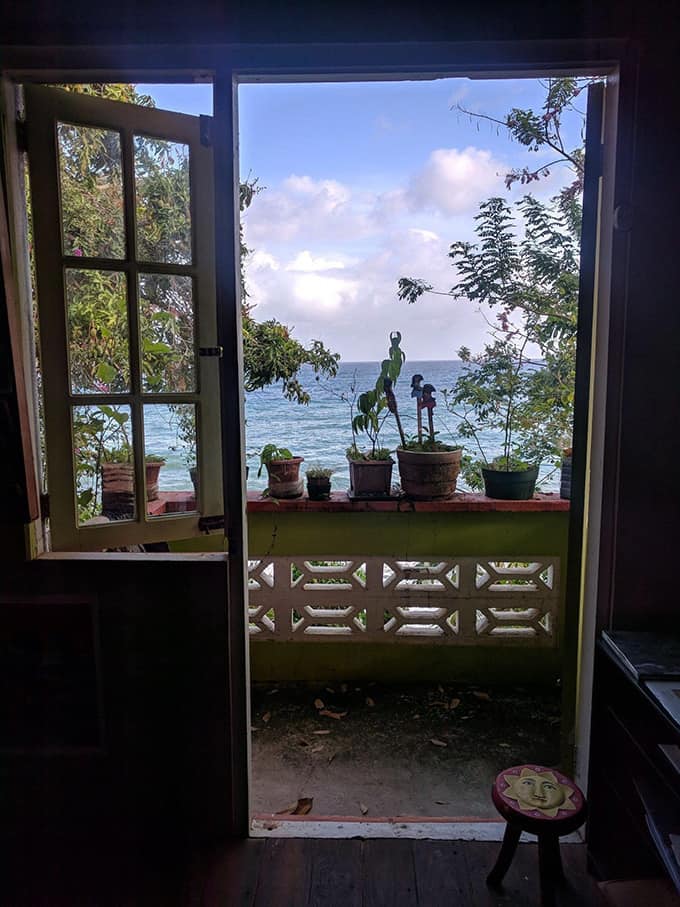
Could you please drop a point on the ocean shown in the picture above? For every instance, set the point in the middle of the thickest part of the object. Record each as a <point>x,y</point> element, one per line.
<point>320,432</point>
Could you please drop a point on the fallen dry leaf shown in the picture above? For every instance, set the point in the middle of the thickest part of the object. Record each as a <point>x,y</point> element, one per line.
<point>416,716</point>
<point>287,810</point>
<point>329,714</point>
<point>320,732</point>
<point>480,695</point>
<point>271,692</point>
<point>440,688</point>
<point>316,749</point>
<point>300,808</point>
<point>319,704</point>
<point>304,806</point>
<point>266,717</point>
<point>363,808</point>
<point>441,704</point>
<point>369,701</point>
<point>329,690</point>
<point>303,743</point>
<point>505,745</point>
<point>454,703</point>
<point>331,758</point>
<point>343,688</point>
<point>442,802</point>
<point>437,742</point>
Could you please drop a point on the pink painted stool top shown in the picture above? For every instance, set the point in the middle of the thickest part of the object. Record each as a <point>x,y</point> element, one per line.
<point>537,792</point>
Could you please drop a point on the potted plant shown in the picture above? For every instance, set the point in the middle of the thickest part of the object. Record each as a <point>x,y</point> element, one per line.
<point>153,464</point>
<point>319,483</point>
<point>495,396</point>
<point>370,471</point>
<point>118,480</point>
<point>283,470</point>
<point>428,468</point>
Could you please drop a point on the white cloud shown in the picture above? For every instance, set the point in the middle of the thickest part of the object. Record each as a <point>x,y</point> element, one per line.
<point>454,181</point>
<point>305,261</point>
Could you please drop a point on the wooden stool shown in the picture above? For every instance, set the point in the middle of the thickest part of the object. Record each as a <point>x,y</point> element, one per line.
<point>545,803</point>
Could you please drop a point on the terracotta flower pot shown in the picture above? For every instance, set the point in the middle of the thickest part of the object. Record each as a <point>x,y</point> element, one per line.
<point>118,487</point>
<point>284,478</point>
<point>370,478</point>
<point>152,470</point>
<point>429,475</point>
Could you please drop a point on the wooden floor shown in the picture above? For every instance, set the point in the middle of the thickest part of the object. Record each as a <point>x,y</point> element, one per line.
<point>295,873</point>
<point>378,873</point>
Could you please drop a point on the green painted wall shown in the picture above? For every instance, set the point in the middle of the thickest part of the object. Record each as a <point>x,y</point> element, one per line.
<point>408,535</point>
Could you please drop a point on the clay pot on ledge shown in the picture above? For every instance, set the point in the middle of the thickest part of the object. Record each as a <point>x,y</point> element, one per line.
<point>284,478</point>
<point>429,475</point>
<point>118,488</point>
<point>370,478</point>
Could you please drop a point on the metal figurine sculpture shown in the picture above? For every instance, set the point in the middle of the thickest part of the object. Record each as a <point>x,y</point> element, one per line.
<point>417,392</point>
<point>428,402</point>
<point>392,407</point>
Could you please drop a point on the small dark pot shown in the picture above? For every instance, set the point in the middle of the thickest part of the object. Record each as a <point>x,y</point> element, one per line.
<point>318,488</point>
<point>193,473</point>
<point>510,486</point>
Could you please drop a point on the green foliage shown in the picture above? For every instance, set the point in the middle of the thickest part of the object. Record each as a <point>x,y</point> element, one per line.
<point>371,405</point>
<point>318,472</point>
<point>93,218</point>
<point>271,452</point>
<point>427,445</point>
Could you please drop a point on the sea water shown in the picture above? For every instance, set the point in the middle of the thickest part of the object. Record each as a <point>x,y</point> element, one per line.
<point>321,430</point>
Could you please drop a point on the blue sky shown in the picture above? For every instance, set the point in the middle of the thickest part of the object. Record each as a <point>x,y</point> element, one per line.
<point>366,182</point>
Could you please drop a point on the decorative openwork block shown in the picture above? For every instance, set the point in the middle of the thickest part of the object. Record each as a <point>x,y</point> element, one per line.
<point>543,802</point>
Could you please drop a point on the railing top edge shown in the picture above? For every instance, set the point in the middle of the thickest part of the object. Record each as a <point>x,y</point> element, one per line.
<point>461,503</point>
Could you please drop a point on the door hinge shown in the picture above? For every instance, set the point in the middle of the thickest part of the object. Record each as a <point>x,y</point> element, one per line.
<point>208,351</point>
<point>205,128</point>
<point>21,135</point>
<point>44,506</point>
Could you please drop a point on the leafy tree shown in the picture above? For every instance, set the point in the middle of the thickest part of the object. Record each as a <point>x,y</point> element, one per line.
<point>524,268</point>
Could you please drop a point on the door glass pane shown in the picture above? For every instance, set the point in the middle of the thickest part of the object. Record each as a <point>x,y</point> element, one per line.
<point>91,182</point>
<point>163,201</point>
<point>96,305</point>
<point>103,456</point>
<point>170,452</point>
<point>166,323</point>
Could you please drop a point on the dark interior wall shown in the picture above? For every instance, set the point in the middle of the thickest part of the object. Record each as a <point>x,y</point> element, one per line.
<point>113,702</point>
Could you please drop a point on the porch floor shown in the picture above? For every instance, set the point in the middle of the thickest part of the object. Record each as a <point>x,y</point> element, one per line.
<point>385,751</point>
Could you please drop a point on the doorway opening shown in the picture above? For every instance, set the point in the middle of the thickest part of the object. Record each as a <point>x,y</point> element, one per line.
<point>405,649</point>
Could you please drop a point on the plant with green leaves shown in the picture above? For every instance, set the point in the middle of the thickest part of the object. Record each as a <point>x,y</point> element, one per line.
<point>316,471</point>
<point>372,405</point>
<point>524,268</point>
<point>270,453</point>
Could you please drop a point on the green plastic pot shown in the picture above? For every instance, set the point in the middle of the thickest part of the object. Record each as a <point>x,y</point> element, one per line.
<point>510,485</point>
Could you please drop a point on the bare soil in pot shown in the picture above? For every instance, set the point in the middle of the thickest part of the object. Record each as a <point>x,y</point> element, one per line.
<point>429,475</point>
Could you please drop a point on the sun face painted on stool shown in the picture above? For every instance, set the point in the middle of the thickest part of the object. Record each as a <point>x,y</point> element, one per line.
<point>539,790</point>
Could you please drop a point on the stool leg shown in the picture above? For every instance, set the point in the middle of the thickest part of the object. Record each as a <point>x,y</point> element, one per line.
<point>549,867</point>
<point>507,852</point>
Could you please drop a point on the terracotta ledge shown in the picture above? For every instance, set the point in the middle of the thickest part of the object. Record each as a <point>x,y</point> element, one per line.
<point>460,503</point>
<point>184,501</point>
